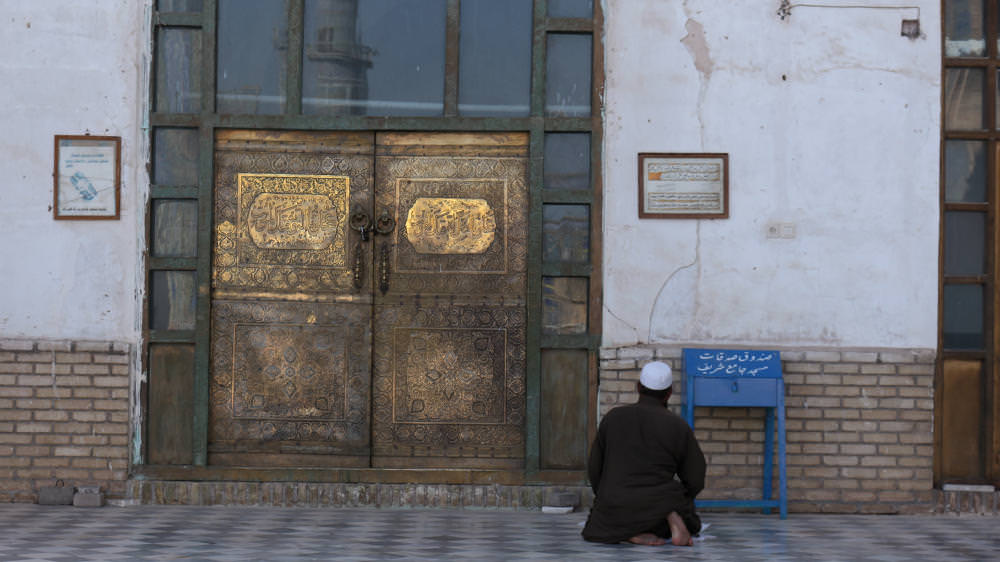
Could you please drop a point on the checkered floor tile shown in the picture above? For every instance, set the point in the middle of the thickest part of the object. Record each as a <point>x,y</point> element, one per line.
<point>57,534</point>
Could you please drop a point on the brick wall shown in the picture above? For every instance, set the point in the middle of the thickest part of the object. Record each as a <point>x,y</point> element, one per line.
<point>63,415</point>
<point>859,428</point>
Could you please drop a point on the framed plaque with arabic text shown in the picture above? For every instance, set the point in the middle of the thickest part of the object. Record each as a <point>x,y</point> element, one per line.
<point>87,177</point>
<point>687,186</point>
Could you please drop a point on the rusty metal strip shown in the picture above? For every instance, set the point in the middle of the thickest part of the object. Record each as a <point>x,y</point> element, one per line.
<point>538,59</point>
<point>358,475</point>
<point>203,307</point>
<point>293,62</point>
<point>452,24</point>
<point>364,123</point>
<point>231,294</point>
<point>174,119</point>
<point>596,310</point>
<point>155,263</point>
<point>534,303</point>
<point>570,25</point>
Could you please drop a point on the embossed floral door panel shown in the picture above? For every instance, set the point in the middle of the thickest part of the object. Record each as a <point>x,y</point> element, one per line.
<point>368,300</point>
<point>449,356</point>
<point>291,303</point>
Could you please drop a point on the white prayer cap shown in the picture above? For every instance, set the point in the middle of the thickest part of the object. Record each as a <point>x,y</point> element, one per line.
<point>656,376</point>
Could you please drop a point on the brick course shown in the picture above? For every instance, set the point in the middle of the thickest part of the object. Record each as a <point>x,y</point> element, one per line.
<point>61,403</point>
<point>859,428</point>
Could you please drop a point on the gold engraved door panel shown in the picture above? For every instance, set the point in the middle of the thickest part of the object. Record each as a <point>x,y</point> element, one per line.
<point>449,342</point>
<point>291,301</point>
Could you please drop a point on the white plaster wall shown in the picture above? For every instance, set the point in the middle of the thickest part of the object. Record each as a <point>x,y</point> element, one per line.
<point>70,67</point>
<point>831,122</point>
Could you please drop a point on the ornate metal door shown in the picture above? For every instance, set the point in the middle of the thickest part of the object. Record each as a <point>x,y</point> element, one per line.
<point>332,249</point>
<point>449,388</point>
<point>291,303</point>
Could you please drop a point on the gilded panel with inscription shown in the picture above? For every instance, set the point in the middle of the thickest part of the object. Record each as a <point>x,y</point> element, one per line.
<point>290,231</point>
<point>452,227</point>
<point>282,201</point>
<point>460,204</point>
<point>445,225</point>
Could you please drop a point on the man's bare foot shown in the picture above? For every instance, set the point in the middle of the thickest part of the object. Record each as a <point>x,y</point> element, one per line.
<point>648,539</point>
<point>679,535</point>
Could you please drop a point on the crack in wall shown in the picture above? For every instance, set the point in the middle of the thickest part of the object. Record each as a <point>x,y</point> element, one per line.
<point>623,321</point>
<point>674,273</point>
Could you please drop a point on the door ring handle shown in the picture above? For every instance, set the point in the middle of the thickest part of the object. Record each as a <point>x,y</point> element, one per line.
<point>361,222</point>
<point>385,223</point>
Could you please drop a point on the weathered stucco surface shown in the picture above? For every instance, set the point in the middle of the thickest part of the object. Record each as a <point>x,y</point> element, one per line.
<point>73,68</point>
<point>830,119</point>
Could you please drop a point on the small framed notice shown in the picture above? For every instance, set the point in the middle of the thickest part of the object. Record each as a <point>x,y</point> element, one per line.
<point>689,186</point>
<point>87,177</point>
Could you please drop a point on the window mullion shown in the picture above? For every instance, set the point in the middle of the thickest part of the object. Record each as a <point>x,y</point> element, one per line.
<point>199,422</point>
<point>538,59</point>
<point>452,36</point>
<point>293,61</point>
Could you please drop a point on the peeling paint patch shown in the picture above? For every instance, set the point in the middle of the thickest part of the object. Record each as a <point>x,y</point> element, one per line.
<point>696,44</point>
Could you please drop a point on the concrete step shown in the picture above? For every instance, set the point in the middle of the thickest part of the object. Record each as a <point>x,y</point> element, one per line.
<point>312,494</point>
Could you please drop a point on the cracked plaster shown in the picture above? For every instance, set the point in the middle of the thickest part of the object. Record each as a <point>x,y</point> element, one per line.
<point>826,122</point>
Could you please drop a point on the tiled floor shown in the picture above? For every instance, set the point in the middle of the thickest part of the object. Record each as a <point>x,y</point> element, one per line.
<point>32,532</point>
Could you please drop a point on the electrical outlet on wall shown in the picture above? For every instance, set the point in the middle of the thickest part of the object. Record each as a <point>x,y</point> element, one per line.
<point>785,230</point>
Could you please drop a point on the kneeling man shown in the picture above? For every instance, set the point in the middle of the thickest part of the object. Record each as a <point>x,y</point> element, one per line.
<point>638,450</point>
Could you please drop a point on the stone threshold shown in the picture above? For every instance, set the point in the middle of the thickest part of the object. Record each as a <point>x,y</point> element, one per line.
<point>376,495</point>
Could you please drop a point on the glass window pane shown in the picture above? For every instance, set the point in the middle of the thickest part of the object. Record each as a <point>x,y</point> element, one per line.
<point>963,317</point>
<point>567,75</point>
<point>567,161</point>
<point>178,71</point>
<point>964,171</point>
<point>178,5</point>
<point>964,243</point>
<point>175,228</point>
<point>175,156</point>
<point>566,233</point>
<point>963,98</point>
<point>377,57</point>
<point>563,410</point>
<point>571,8</point>
<point>963,28</point>
<point>564,305</point>
<point>172,300</point>
<point>253,39</point>
<point>494,75</point>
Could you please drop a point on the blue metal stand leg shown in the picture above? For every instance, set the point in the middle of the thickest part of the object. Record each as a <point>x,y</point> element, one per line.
<point>768,456</point>
<point>782,476</point>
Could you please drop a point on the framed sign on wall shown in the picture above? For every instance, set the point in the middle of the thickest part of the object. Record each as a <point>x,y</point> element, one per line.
<point>87,177</point>
<point>680,185</point>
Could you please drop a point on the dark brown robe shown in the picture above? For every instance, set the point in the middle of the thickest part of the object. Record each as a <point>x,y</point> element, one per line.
<point>638,450</point>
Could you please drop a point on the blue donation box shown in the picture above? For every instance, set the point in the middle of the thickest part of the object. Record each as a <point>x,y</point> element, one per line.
<point>742,378</point>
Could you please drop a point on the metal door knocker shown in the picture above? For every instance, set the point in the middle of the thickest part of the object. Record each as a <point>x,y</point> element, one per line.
<point>385,223</point>
<point>361,222</point>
